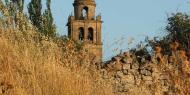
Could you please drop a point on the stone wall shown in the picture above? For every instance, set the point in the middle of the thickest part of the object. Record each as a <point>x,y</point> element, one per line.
<point>126,73</point>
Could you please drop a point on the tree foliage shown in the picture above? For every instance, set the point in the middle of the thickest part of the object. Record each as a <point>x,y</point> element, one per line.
<point>178,33</point>
<point>179,29</point>
<point>43,21</point>
<point>49,27</point>
<point>19,4</point>
<point>34,9</point>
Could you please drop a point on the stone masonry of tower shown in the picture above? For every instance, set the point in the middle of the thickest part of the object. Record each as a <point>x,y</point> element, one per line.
<point>85,27</point>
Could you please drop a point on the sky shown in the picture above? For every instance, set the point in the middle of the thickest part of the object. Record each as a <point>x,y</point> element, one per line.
<point>125,22</point>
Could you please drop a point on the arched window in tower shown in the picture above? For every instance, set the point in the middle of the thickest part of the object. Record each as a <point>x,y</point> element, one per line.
<point>90,34</point>
<point>85,12</point>
<point>81,33</point>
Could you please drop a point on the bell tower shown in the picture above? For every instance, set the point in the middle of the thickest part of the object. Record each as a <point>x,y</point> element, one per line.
<point>85,27</point>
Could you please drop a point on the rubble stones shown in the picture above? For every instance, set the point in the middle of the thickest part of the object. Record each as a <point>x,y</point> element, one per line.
<point>126,66</point>
<point>129,79</point>
<point>138,81</point>
<point>146,72</point>
<point>118,66</point>
<point>133,71</point>
<point>135,66</point>
<point>119,74</point>
<point>124,60</point>
<point>127,74</point>
<point>125,71</point>
<point>116,58</point>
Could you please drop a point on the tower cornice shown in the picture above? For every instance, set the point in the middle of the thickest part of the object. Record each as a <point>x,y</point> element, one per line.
<point>84,2</point>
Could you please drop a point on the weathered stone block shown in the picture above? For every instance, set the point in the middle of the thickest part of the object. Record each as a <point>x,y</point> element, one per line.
<point>119,74</point>
<point>146,72</point>
<point>129,60</point>
<point>129,79</point>
<point>124,60</point>
<point>126,66</point>
<point>116,58</point>
<point>138,81</point>
<point>133,71</point>
<point>118,66</point>
<point>125,72</point>
<point>141,67</point>
<point>135,66</point>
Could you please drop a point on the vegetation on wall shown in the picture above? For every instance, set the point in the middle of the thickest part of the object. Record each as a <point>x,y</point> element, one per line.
<point>177,34</point>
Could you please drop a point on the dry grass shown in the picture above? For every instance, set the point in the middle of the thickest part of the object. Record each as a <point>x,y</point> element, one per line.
<point>31,68</point>
<point>32,64</point>
<point>177,67</point>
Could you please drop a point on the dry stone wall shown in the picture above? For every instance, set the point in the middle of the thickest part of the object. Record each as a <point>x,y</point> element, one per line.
<point>126,73</point>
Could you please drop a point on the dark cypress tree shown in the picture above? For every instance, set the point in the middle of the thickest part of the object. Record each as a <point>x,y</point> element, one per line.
<point>19,4</point>
<point>34,9</point>
<point>49,28</point>
<point>44,22</point>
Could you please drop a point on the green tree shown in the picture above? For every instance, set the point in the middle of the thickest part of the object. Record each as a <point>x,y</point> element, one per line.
<point>43,21</point>
<point>177,30</point>
<point>49,27</point>
<point>19,4</point>
<point>34,9</point>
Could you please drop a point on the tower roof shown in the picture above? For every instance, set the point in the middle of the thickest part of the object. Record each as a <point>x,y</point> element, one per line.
<point>92,2</point>
<point>84,0</point>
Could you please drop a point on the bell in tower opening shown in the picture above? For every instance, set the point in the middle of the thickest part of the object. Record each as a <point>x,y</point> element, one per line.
<point>85,27</point>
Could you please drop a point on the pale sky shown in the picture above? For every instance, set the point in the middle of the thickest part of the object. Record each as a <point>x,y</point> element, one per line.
<point>124,20</point>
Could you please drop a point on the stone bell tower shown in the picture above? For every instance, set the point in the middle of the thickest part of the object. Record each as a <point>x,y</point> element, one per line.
<point>86,28</point>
